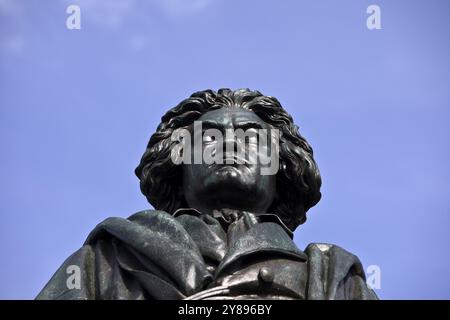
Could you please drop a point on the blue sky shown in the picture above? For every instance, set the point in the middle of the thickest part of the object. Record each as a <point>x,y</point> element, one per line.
<point>78,106</point>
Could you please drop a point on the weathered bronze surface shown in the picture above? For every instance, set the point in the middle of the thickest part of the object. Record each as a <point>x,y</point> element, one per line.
<point>219,231</point>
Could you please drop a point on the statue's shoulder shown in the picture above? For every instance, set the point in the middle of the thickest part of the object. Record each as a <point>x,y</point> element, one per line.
<point>120,225</point>
<point>335,273</point>
<point>325,248</point>
<point>333,253</point>
<point>148,214</point>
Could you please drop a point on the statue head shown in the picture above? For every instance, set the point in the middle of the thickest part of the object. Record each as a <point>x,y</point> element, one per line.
<point>289,192</point>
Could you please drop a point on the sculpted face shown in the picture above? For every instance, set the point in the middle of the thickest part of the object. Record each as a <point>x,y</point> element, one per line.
<point>230,185</point>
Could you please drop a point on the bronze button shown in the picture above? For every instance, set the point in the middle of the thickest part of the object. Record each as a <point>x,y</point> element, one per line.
<point>266,275</point>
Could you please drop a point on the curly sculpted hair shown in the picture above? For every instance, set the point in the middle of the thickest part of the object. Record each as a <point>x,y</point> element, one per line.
<point>298,178</point>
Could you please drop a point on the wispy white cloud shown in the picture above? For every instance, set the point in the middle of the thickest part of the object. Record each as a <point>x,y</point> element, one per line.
<point>12,40</point>
<point>179,8</point>
<point>9,7</point>
<point>112,13</point>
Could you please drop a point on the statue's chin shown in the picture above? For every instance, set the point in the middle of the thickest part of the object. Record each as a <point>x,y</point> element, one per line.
<point>228,186</point>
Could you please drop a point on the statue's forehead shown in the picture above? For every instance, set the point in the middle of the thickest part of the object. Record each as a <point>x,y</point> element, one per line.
<point>231,115</point>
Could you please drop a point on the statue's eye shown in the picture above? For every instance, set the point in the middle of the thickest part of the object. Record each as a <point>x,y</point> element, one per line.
<point>208,138</point>
<point>251,136</point>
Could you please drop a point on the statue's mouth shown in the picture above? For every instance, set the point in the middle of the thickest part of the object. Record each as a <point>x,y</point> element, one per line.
<point>234,170</point>
<point>235,160</point>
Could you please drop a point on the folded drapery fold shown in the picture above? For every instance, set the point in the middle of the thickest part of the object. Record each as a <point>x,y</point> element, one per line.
<point>154,255</point>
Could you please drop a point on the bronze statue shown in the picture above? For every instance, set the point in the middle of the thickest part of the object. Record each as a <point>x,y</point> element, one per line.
<point>221,230</point>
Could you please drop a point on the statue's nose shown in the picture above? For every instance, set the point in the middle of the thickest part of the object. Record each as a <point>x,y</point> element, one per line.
<point>230,145</point>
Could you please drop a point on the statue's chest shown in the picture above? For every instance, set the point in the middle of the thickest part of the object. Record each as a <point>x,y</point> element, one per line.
<point>274,278</point>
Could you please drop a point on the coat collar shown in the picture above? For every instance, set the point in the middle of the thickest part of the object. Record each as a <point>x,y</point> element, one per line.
<point>244,237</point>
